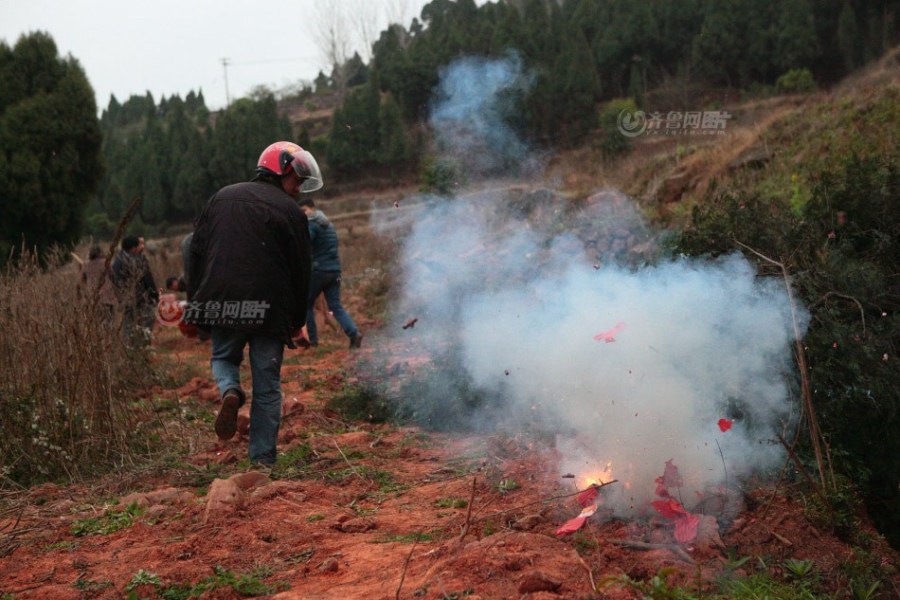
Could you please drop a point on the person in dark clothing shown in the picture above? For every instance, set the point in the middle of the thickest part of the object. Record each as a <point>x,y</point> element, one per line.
<point>326,275</point>
<point>136,287</point>
<point>248,277</point>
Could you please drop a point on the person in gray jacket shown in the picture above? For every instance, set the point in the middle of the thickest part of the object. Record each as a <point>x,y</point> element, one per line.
<point>326,275</point>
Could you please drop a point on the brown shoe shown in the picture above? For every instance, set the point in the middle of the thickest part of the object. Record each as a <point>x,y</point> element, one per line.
<point>226,422</point>
<point>356,341</point>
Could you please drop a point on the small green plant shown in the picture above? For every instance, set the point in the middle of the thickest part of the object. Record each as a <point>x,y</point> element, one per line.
<point>657,588</point>
<point>405,538</point>
<point>143,577</point>
<point>110,522</point>
<point>451,503</point>
<point>293,463</point>
<point>507,485</point>
<point>89,585</point>
<point>863,591</point>
<point>314,517</point>
<point>583,543</point>
<point>248,584</point>
<point>798,569</point>
<point>383,479</point>
<point>66,545</point>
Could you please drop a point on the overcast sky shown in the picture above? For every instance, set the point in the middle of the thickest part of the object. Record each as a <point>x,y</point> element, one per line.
<point>171,47</point>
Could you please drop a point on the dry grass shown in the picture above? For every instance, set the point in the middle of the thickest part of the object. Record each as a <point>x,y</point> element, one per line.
<point>67,377</point>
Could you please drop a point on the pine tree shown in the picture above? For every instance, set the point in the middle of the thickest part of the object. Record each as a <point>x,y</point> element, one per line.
<point>49,145</point>
<point>393,150</point>
<point>796,44</point>
<point>848,36</point>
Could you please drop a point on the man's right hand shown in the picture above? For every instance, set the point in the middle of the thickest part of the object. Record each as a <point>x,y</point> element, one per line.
<point>300,338</point>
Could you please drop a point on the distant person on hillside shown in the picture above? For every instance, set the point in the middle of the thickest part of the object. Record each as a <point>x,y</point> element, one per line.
<point>326,275</point>
<point>248,279</point>
<point>136,287</point>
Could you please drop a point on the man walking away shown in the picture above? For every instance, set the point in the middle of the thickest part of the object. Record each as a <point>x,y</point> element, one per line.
<point>326,275</point>
<point>248,281</point>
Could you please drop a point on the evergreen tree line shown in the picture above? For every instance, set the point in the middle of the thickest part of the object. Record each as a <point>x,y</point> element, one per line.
<point>585,52</point>
<point>580,53</point>
<point>174,155</point>
<point>49,146</point>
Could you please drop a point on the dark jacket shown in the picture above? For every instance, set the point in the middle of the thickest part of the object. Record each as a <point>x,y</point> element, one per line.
<point>249,264</point>
<point>324,243</point>
<point>131,275</point>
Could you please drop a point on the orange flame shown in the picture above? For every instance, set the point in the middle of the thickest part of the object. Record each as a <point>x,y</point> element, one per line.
<point>598,477</point>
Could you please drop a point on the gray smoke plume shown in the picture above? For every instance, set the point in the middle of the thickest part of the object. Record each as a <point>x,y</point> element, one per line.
<point>473,105</point>
<point>631,362</point>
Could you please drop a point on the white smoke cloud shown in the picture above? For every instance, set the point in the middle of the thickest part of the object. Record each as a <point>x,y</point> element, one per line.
<point>516,295</point>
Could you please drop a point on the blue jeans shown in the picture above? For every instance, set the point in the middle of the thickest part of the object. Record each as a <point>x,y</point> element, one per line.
<point>265,369</point>
<point>328,282</point>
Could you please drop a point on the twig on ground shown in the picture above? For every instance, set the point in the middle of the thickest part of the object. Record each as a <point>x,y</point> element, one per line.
<point>468,522</point>
<point>590,574</point>
<point>544,500</point>
<point>815,434</point>
<point>405,565</point>
<point>673,548</point>
<point>363,479</point>
<point>819,492</point>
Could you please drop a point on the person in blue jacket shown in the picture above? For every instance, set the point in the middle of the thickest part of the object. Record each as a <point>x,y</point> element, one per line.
<point>326,275</point>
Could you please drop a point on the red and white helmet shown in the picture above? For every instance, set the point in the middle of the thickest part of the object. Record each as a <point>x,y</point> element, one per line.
<point>280,156</point>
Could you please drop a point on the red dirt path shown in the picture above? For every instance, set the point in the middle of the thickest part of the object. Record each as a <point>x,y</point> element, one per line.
<point>374,505</point>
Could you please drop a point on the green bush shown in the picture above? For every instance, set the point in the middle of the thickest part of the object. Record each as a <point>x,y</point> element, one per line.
<point>842,248</point>
<point>614,142</point>
<point>362,402</point>
<point>796,81</point>
<point>439,176</point>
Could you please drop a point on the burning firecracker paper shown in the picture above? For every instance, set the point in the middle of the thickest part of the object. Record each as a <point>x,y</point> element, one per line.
<point>669,508</point>
<point>610,335</point>
<point>590,500</point>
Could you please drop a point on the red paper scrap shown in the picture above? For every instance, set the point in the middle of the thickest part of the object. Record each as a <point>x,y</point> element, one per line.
<point>588,496</point>
<point>573,525</point>
<point>686,528</point>
<point>610,334</point>
<point>725,424</point>
<point>670,478</point>
<point>685,523</point>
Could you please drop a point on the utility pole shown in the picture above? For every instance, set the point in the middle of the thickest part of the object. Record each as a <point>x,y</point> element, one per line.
<point>225,68</point>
